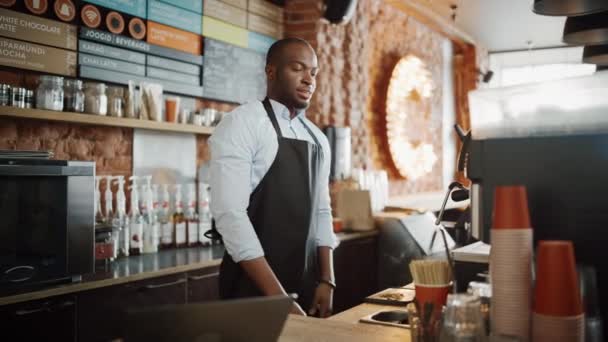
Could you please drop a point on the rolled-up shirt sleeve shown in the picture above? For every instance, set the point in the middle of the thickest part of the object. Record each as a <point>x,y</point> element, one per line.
<point>233,145</point>
<point>325,231</point>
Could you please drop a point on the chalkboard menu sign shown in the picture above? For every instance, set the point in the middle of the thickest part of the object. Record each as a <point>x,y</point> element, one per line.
<point>232,73</point>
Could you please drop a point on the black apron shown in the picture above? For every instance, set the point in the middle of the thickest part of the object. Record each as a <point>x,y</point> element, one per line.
<point>283,211</point>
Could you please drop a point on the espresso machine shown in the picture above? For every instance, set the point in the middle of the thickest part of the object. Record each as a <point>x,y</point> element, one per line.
<point>563,167</point>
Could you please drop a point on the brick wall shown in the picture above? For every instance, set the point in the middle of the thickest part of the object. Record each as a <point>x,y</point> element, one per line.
<point>356,61</point>
<point>109,147</point>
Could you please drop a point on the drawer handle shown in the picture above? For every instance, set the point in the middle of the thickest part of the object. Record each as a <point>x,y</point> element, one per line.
<point>46,307</point>
<point>158,286</point>
<point>33,311</point>
<point>206,276</point>
<point>64,304</point>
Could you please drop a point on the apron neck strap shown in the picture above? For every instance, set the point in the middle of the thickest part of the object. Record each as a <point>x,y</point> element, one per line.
<point>272,116</point>
<point>314,137</point>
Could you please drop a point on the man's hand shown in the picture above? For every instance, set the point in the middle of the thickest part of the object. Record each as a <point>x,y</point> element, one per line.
<point>296,309</point>
<point>323,301</point>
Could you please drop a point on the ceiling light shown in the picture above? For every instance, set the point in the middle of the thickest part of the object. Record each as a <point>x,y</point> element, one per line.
<point>589,29</point>
<point>596,54</point>
<point>569,7</point>
<point>486,76</point>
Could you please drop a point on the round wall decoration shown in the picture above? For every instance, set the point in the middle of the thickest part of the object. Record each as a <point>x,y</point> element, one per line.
<point>408,107</point>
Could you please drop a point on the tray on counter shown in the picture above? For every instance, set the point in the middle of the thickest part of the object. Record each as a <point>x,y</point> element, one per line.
<point>400,296</point>
<point>377,318</point>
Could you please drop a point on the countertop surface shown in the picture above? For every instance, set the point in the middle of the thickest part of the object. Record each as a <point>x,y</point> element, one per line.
<point>145,266</point>
<point>299,328</point>
<point>344,326</point>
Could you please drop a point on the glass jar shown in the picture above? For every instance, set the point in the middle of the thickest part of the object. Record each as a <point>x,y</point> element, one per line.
<point>5,95</point>
<point>74,96</point>
<point>49,94</point>
<point>209,116</point>
<point>96,100</point>
<point>422,328</point>
<point>29,99</point>
<point>462,320</point>
<point>116,102</point>
<point>18,97</point>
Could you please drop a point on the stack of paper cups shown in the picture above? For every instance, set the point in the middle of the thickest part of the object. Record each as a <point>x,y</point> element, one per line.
<point>511,263</point>
<point>558,311</point>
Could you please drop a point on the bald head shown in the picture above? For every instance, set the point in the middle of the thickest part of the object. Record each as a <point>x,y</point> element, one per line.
<point>280,47</point>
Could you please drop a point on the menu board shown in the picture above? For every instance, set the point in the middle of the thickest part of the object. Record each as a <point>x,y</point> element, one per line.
<point>37,30</point>
<point>232,73</point>
<point>30,56</point>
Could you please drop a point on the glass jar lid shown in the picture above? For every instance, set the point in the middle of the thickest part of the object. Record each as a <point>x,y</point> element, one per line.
<point>116,91</point>
<point>73,83</point>
<point>55,80</point>
<point>95,87</point>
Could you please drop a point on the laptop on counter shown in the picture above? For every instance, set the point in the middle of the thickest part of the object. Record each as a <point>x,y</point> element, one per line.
<point>259,319</point>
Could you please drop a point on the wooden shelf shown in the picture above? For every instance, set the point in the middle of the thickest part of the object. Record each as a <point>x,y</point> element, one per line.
<point>91,119</point>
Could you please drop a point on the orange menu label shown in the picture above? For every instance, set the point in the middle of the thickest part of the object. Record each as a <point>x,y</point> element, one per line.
<point>90,16</point>
<point>7,3</point>
<point>65,10</point>
<point>173,38</point>
<point>137,28</point>
<point>37,6</point>
<point>115,22</point>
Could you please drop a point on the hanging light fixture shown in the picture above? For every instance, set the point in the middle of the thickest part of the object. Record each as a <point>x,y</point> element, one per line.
<point>569,7</point>
<point>596,54</point>
<point>589,29</point>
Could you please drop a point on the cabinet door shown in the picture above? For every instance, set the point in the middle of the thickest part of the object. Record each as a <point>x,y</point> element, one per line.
<point>355,267</point>
<point>51,319</point>
<point>203,285</point>
<point>101,311</point>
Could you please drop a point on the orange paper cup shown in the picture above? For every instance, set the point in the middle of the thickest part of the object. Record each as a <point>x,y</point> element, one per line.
<point>511,208</point>
<point>171,109</point>
<point>435,294</point>
<point>337,223</point>
<point>556,292</point>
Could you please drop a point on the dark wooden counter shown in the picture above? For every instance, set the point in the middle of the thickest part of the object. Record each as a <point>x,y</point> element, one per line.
<point>145,266</point>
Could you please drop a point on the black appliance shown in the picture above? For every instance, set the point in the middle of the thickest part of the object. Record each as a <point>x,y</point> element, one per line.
<point>340,143</point>
<point>339,11</point>
<point>567,183</point>
<point>46,221</point>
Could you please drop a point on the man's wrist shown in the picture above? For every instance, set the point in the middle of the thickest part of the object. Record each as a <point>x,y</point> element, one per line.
<point>327,281</point>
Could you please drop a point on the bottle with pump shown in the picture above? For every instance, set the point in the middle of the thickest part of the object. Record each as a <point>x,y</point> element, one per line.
<point>122,220</point>
<point>137,224</point>
<point>157,214</point>
<point>204,213</point>
<point>192,217</point>
<point>179,220</point>
<point>108,199</point>
<point>166,221</point>
<point>98,214</point>
<point>150,222</point>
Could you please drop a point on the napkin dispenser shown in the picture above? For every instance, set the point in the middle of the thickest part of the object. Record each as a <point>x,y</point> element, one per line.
<point>340,143</point>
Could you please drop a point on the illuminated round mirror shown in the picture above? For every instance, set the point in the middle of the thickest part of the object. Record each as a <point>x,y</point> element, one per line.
<point>408,108</point>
